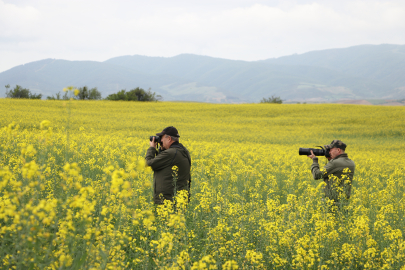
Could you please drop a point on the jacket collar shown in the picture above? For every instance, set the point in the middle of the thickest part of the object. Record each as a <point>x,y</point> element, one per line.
<point>174,144</point>
<point>342,156</point>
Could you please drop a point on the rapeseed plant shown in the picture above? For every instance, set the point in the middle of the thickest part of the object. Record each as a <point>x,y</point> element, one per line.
<point>75,192</point>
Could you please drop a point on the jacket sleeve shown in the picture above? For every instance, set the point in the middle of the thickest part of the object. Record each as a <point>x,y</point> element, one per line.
<point>316,172</point>
<point>158,162</point>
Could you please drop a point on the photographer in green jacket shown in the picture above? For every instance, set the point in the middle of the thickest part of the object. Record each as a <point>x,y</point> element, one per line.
<point>337,174</point>
<point>172,153</point>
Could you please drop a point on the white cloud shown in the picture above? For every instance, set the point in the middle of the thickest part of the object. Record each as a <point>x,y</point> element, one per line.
<point>16,22</point>
<point>247,30</point>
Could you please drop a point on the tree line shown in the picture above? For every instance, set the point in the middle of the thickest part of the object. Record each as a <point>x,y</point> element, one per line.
<point>86,93</point>
<point>136,94</point>
<point>19,92</point>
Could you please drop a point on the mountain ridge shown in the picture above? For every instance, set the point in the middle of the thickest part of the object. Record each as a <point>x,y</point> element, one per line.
<point>358,72</point>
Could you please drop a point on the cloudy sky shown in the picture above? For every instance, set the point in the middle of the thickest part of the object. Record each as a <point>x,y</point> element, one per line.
<point>249,30</point>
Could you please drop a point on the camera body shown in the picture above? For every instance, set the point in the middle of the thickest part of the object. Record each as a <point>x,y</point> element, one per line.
<point>316,151</point>
<point>158,139</point>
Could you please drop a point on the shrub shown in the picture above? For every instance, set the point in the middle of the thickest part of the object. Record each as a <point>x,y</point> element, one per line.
<point>58,96</point>
<point>136,94</point>
<point>272,99</point>
<point>85,93</point>
<point>19,92</point>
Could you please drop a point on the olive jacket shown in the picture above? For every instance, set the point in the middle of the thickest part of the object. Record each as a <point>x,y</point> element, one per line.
<point>162,163</point>
<point>337,174</point>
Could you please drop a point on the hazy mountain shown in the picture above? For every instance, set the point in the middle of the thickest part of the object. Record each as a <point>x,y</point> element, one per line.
<point>51,76</point>
<point>253,80</point>
<point>384,63</point>
<point>360,72</point>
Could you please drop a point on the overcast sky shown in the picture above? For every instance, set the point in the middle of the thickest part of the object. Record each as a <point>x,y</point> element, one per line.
<point>249,30</point>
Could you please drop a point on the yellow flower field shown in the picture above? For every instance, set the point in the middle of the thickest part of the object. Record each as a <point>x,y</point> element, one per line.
<point>75,192</point>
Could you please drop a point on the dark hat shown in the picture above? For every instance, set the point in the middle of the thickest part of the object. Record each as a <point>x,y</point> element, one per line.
<point>336,144</point>
<point>171,131</point>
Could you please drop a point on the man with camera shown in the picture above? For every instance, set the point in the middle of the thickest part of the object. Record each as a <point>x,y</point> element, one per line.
<point>171,165</point>
<point>337,174</point>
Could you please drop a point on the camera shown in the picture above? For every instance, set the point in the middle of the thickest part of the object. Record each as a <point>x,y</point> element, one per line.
<point>158,139</point>
<point>317,152</point>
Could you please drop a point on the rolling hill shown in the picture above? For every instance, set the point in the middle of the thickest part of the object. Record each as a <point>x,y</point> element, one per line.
<point>360,72</point>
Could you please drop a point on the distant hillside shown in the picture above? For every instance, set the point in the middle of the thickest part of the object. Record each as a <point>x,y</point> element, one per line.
<point>360,72</point>
<point>50,76</point>
<point>383,64</point>
<point>250,81</point>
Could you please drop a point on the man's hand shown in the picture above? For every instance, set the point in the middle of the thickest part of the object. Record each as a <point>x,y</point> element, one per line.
<point>153,143</point>
<point>311,156</point>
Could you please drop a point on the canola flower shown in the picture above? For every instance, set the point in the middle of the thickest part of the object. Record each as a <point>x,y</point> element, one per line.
<point>75,192</point>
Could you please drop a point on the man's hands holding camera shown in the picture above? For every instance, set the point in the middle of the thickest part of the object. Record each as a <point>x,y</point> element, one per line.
<point>152,143</point>
<point>311,156</point>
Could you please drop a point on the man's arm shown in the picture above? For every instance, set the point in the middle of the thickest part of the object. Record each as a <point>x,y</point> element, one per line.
<point>316,172</point>
<point>158,162</point>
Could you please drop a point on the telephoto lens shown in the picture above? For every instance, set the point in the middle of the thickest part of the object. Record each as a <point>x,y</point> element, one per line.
<point>307,151</point>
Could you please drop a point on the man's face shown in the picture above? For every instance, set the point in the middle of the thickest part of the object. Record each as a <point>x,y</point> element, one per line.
<point>334,152</point>
<point>166,141</point>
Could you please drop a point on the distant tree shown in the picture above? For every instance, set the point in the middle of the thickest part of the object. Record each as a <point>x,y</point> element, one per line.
<point>272,99</point>
<point>35,96</point>
<point>19,92</point>
<point>136,94</point>
<point>86,93</point>
<point>83,93</point>
<point>58,97</point>
<point>65,96</point>
<point>159,98</point>
<point>141,95</point>
<point>120,95</point>
<point>7,87</point>
<point>94,93</point>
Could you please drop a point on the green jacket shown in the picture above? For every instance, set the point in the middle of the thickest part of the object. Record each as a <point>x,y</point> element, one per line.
<point>337,174</point>
<point>162,164</point>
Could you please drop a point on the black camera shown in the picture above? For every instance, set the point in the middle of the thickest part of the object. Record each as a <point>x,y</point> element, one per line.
<point>158,139</point>
<point>317,152</point>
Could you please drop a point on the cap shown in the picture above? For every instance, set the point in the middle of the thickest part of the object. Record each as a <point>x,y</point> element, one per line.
<point>171,131</point>
<point>336,144</point>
